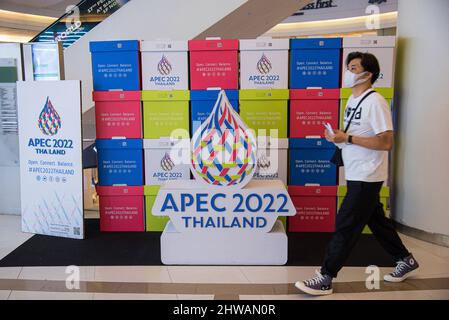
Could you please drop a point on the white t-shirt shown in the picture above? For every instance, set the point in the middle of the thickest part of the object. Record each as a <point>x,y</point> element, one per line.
<point>372,117</point>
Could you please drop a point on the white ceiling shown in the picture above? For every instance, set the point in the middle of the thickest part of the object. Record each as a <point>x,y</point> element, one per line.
<point>52,8</point>
<point>17,27</point>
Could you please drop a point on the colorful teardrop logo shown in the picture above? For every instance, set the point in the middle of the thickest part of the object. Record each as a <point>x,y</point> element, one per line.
<point>49,120</point>
<point>263,162</point>
<point>167,163</point>
<point>224,152</point>
<point>164,66</point>
<point>264,65</point>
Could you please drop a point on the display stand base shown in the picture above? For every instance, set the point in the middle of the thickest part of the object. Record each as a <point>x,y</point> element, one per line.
<point>224,248</point>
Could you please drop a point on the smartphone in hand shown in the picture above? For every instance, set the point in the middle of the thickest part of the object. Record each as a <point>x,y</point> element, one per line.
<point>329,128</point>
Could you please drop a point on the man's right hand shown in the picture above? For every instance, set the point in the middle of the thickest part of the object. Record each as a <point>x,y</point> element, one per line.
<point>338,136</point>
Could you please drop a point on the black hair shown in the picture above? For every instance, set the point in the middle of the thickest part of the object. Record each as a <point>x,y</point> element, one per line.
<point>369,63</point>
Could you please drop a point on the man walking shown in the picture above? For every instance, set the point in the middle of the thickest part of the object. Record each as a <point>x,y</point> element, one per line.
<point>365,146</point>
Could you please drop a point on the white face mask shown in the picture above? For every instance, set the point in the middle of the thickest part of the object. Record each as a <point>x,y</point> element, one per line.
<point>351,79</point>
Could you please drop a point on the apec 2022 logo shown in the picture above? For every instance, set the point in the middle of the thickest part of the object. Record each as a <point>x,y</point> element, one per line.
<point>50,123</point>
<point>167,163</point>
<point>264,67</point>
<point>164,68</point>
<point>49,120</point>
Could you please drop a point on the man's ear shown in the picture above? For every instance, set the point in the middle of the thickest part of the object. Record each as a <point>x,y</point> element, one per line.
<point>368,75</point>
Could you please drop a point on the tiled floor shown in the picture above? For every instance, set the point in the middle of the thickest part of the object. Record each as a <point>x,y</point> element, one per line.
<point>55,273</point>
<point>213,274</point>
<point>40,295</point>
<point>133,274</point>
<point>11,235</point>
<point>189,282</point>
<point>401,295</point>
<point>4,294</point>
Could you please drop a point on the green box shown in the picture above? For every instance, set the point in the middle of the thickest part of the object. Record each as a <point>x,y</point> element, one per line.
<point>384,198</point>
<point>153,223</point>
<point>165,111</point>
<point>345,93</point>
<point>265,109</point>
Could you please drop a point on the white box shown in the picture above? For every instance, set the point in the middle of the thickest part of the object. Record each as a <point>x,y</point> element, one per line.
<point>264,63</point>
<point>166,160</point>
<point>164,65</point>
<point>224,248</point>
<point>272,161</point>
<point>342,179</point>
<point>383,47</point>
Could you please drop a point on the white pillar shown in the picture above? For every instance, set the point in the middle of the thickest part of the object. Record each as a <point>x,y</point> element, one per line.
<point>421,190</point>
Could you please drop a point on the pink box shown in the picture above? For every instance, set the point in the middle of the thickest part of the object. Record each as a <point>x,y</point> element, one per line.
<point>310,108</point>
<point>118,114</point>
<point>121,208</point>
<point>316,208</point>
<point>214,64</point>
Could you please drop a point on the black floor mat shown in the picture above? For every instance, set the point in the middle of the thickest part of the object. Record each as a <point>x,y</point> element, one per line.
<point>143,249</point>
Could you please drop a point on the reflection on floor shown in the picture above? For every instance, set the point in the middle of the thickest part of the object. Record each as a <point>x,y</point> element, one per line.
<point>225,283</point>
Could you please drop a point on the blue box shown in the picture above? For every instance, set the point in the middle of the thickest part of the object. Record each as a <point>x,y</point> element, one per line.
<point>310,162</point>
<point>120,162</point>
<point>203,101</point>
<point>116,65</point>
<point>315,62</point>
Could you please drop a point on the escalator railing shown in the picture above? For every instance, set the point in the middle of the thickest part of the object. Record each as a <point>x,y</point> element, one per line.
<point>79,20</point>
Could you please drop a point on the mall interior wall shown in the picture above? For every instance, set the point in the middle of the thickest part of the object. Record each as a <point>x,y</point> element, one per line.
<point>145,20</point>
<point>9,155</point>
<point>421,152</point>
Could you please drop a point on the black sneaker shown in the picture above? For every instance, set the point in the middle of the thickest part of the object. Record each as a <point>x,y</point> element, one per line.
<point>404,269</point>
<point>318,286</point>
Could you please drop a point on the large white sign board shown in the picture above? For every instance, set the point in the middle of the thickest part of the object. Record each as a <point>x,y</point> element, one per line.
<point>228,227</point>
<point>192,207</point>
<point>223,217</point>
<point>51,158</point>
